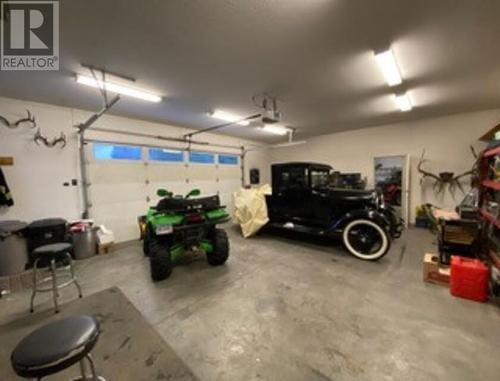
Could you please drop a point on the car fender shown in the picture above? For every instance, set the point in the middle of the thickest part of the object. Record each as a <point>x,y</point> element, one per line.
<point>367,214</point>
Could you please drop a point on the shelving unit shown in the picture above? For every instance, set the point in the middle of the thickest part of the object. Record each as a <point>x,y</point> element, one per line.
<point>490,218</point>
<point>489,190</point>
<point>492,184</point>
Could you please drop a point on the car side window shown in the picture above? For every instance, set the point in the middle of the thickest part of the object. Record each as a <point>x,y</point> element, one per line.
<point>293,179</point>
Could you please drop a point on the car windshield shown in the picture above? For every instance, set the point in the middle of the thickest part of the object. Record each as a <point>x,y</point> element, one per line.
<point>320,178</point>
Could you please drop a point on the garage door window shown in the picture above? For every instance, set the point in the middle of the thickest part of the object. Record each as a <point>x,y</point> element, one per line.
<point>116,152</point>
<point>201,157</point>
<point>166,155</point>
<point>228,159</point>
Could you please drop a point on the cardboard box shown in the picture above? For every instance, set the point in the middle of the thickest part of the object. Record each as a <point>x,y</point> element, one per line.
<point>433,272</point>
<point>105,248</point>
<point>105,236</point>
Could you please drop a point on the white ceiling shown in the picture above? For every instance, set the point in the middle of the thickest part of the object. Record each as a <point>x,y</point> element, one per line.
<point>316,55</point>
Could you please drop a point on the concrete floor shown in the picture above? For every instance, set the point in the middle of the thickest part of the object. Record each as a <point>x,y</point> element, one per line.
<point>289,310</point>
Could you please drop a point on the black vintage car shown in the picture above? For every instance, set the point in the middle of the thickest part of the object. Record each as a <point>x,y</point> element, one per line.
<point>304,201</point>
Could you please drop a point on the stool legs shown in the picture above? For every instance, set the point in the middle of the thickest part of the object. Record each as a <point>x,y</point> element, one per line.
<point>54,288</point>
<point>83,370</point>
<point>33,294</point>
<point>73,277</point>
<point>55,293</point>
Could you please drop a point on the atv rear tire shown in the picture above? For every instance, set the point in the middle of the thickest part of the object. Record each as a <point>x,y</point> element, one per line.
<point>159,259</point>
<point>220,252</point>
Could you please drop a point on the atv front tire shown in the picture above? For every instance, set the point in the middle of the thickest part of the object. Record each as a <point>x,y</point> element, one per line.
<point>220,252</point>
<point>159,259</point>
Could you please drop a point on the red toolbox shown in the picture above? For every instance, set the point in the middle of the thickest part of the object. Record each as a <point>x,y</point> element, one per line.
<point>469,278</point>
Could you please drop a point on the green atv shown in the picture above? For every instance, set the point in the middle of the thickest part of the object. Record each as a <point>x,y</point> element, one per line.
<point>180,223</point>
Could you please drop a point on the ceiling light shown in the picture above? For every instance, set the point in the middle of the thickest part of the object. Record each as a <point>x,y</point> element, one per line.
<point>389,67</point>
<point>117,88</point>
<point>228,117</point>
<point>290,144</point>
<point>403,101</point>
<point>275,129</point>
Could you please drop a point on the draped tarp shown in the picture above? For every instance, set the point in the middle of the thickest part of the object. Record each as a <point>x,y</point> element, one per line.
<point>251,209</point>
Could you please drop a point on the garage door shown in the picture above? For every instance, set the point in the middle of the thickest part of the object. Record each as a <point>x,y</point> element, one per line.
<point>124,180</point>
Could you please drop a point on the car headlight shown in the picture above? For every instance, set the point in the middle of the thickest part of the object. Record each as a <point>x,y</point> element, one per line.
<point>379,200</point>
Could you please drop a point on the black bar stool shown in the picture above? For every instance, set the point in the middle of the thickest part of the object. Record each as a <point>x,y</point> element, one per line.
<point>57,256</point>
<point>56,347</point>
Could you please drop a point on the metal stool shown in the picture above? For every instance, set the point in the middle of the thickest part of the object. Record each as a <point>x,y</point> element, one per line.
<point>53,255</point>
<point>57,346</point>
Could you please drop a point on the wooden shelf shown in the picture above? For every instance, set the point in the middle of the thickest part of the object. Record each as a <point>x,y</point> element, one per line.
<point>492,152</point>
<point>4,161</point>
<point>490,218</point>
<point>492,184</point>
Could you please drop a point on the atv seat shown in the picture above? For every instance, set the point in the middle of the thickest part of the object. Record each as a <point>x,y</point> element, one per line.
<point>183,204</point>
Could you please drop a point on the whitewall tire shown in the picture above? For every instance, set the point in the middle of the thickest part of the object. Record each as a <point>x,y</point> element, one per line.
<point>372,248</point>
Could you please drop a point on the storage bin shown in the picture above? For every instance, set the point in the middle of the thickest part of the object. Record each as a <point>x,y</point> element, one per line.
<point>13,247</point>
<point>469,278</point>
<point>84,242</point>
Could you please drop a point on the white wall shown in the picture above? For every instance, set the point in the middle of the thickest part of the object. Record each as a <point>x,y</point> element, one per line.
<point>446,141</point>
<point>36,180</point>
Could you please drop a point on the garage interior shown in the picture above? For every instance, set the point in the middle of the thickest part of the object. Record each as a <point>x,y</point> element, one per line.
<point>250,190</point>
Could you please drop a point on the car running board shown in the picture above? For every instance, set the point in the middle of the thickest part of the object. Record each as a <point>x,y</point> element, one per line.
<point>297,227</point>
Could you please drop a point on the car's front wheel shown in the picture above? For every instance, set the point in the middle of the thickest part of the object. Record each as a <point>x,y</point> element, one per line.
<point>366,240</point>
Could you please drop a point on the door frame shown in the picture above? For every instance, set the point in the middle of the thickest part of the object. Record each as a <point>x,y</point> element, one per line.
<point>405,194</point>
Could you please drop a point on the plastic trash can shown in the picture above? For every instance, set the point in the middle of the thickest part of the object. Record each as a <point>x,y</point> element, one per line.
<point>13,247</point>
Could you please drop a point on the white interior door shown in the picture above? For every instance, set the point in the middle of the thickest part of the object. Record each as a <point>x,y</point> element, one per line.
<point>392,177</point>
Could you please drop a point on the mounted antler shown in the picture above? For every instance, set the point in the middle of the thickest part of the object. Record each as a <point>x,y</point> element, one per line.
<point>471,172</point>
<point>447,178</point>
<point>428,174</point>
<point>29,119</point>
<point>49,143</point>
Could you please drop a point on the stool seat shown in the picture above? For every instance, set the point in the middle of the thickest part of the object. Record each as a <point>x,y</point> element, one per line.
<point>55,346</point>
<point>53,249</point>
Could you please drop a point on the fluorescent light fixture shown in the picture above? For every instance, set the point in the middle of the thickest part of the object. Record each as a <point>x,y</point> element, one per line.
<point>228,117</point>
<point>275,129</point>
<point>290,144</point>
<point>117,88</point>
<point>404,102</point>
<point>389,67</point>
